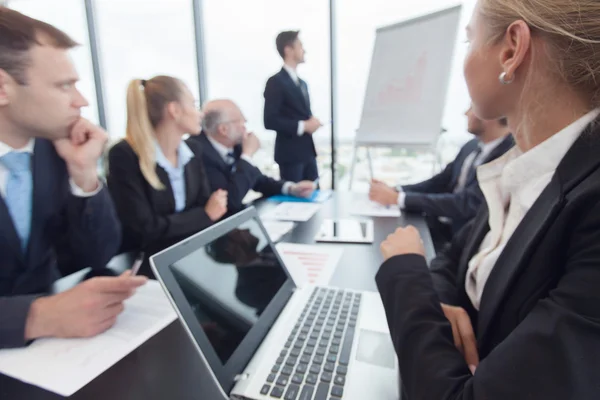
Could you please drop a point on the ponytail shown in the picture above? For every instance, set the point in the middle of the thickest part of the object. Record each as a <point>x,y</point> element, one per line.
<point>140,133</point>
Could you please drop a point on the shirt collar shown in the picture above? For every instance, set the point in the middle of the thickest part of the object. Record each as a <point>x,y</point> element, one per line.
<point>519,167</point>
<point>184,155</point>
<point>220,148</point>
<point>5,149</point>
<point>292,72</point>
<point>487,148</point>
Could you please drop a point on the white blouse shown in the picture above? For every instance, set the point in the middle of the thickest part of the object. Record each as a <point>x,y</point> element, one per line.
<point>511,184</point>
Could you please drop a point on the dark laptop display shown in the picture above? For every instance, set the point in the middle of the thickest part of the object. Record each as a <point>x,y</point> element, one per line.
<point>231,282</point>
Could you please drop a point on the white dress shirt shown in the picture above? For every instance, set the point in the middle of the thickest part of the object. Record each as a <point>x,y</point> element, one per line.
<point>224,151</point>
<point>5,149</point>
<point>294,75</point>
<point>511,185</point>
<point>472,160</point>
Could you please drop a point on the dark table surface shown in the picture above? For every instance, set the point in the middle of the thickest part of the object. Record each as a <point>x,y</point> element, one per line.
<point>166,366</point>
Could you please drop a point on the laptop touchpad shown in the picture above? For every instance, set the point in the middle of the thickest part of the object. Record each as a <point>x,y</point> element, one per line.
<point>376,348</point>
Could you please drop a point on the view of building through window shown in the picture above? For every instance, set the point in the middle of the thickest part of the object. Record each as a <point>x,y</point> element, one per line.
<point>240,55</point>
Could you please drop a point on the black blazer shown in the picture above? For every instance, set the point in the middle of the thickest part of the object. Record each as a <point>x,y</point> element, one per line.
<point>285,106</point>
<point>149,220</point>
<point>538,327</point>
<point>89,225</point>
<point>435,197</point>
<point>237,179</point>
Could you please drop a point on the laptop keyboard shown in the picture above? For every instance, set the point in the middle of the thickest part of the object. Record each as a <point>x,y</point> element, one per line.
<point>314,361</point>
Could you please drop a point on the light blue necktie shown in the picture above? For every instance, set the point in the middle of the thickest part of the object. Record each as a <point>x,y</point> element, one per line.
<point>19,191</point>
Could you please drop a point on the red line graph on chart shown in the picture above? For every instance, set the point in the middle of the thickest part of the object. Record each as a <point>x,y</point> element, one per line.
<point>407,90</point>
<point>313,263</point>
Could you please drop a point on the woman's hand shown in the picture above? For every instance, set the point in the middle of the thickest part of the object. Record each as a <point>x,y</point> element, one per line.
<point>403,241</point>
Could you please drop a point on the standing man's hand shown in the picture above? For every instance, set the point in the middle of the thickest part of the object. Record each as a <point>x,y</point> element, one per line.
<point>81,152</point>
<point>311,125</point>
<point>88,309</point>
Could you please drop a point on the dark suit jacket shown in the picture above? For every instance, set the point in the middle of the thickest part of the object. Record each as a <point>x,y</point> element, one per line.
<point>435,197</point>
<point>284,108</point>
<point>149,220</point>
<point>538,326</point>
<point>89,225</point>
<point>237,179</point>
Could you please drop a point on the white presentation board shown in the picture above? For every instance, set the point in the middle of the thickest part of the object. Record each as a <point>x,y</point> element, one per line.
<point>408,80</point>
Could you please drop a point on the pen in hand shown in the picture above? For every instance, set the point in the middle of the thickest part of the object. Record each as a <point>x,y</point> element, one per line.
<point>137,264</point>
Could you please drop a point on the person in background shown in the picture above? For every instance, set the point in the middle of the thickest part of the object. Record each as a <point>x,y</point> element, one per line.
<point>227,154</point>
<point>451,198</point>
<point>49,189</point>
<point>158,181</point>
<point>510,309</point>
<point>287,112</point>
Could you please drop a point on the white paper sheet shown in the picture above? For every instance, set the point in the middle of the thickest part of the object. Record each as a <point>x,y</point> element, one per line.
<point>64,366</point>
<point>309,264</point>
<point>299,212</point>
<point>368,208</point>
<point>277,229</point>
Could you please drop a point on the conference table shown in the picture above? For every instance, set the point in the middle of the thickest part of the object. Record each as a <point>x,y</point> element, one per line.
<point>167,365</point>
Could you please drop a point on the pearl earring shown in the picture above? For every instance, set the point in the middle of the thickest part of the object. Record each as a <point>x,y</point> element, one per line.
<point>502,79</point>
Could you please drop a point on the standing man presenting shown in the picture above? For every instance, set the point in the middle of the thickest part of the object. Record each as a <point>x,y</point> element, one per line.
<point>287,112</point>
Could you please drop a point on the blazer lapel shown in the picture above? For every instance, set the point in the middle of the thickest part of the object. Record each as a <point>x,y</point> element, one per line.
<point>478,231</point>
<point>517,252</point>
<point>295,88</point>
<point>192,182</point>
<point>43,184</point>
<point>7,229</point>
<point>208,150</point>
<point>167,194</point>
<point>580,161</point>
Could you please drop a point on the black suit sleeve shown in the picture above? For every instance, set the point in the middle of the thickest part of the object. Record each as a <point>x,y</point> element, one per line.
<point>439,183</point>
<point>545,357</point>
<point>93,229</point>
<point>93,237</point>
<point>237,184</point>
<point>444,268</point>
<point>460,206</point>
<point>127,186</point>
<point>273,119</point>
<point>13,318</point>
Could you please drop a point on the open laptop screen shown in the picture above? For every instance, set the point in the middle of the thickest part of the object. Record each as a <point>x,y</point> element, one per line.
<point>229,284</point>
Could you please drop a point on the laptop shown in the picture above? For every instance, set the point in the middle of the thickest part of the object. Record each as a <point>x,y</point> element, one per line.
<point>259,335</point>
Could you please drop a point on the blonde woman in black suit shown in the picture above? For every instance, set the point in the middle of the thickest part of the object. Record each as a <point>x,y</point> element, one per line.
<point>158,181</point>
<point>511,310</point>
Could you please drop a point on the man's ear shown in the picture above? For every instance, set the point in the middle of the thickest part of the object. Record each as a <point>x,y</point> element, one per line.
<point>6,87</point>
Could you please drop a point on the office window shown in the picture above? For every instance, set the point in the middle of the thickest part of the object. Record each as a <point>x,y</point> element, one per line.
<point>356,22</point>
<point>241,56</point>
<point>69,17</point>
<point>141,39</point>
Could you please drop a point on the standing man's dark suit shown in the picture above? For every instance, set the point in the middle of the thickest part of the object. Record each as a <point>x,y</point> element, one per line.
<point>286,104</point>
<point>89,225</point>
<point>538,326</point>
<point>437,196</point>
<point>237,179</point>
<point>150,223</point>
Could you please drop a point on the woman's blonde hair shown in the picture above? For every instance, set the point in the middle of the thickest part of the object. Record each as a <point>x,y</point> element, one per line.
<point>571,29</point>
<point>146,105</point>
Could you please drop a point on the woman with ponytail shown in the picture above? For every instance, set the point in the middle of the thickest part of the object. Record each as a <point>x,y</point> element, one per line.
<point>156,179</point>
